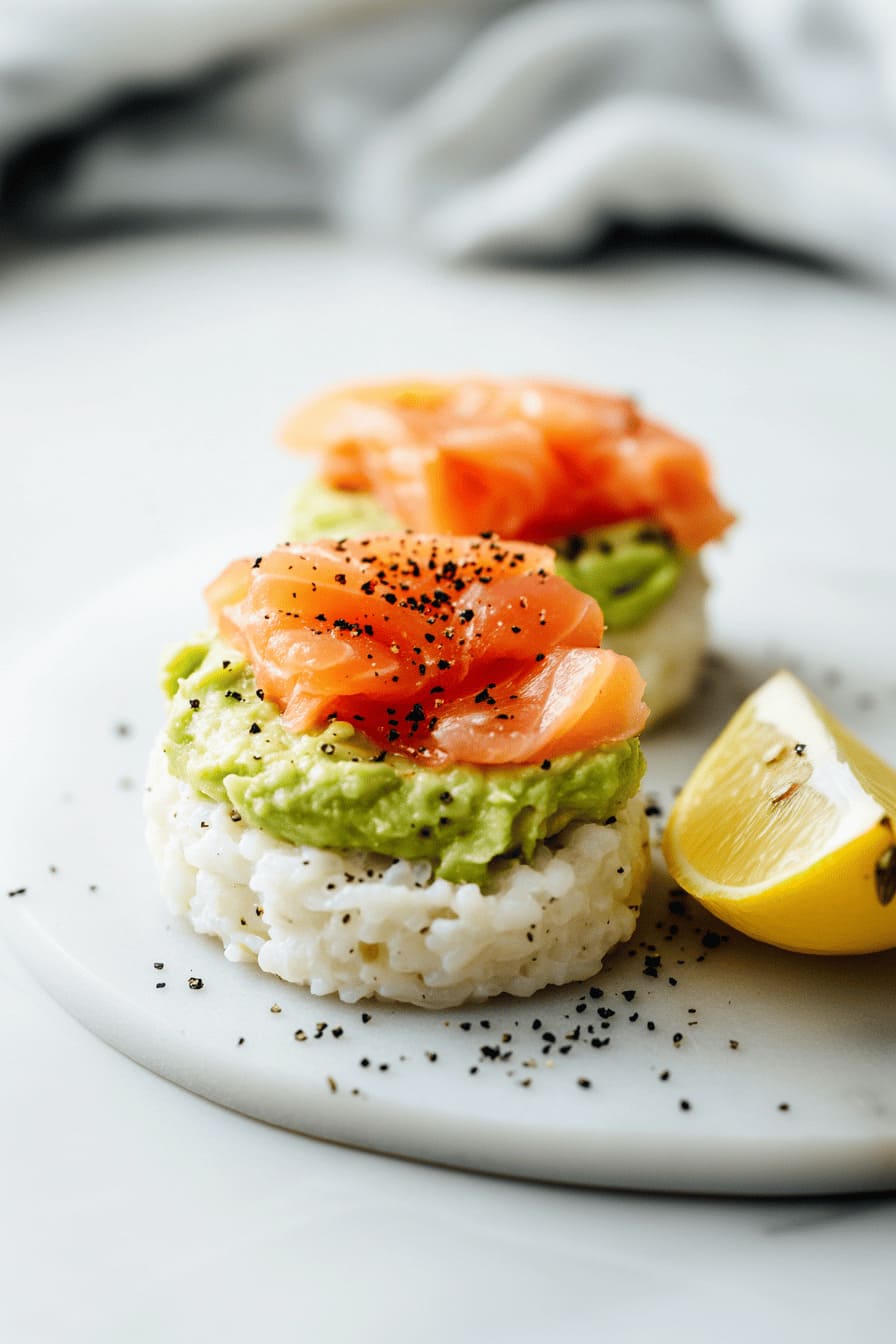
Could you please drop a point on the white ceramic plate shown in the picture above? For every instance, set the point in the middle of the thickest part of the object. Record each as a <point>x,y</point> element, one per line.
<point>731,1067</point>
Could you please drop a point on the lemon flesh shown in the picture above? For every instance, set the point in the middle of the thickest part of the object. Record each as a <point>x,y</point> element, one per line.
<point>785,830</point>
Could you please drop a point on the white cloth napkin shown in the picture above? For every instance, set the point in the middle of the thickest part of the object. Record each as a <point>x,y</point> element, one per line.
<point>469,127</point>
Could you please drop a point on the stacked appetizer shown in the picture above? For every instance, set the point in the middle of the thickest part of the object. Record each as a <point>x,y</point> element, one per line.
<point>402,765</point>
<point>626,503</point>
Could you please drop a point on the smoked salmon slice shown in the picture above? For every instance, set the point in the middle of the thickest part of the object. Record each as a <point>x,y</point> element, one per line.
<point>524,458</point>
<point>441,648</point>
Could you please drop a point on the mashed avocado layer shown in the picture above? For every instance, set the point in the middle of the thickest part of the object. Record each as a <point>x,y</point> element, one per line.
<point>335,790</point>
<point>316,510</point>
<point>630,568</point>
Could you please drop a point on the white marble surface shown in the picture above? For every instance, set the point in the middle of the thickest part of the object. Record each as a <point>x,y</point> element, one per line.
<point>138,383</point>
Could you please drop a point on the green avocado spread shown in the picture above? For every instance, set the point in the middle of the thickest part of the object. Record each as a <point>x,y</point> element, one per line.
<point>316,510</point>
<point>335,790</point>
<point>630,568</point>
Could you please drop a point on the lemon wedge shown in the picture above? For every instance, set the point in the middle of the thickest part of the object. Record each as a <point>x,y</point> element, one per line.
<point>785,830</point>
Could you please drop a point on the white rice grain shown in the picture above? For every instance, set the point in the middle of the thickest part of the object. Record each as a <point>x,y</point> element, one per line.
<point>361,925</point>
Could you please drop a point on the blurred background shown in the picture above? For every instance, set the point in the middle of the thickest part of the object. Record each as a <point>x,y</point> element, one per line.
<point>521,129</point>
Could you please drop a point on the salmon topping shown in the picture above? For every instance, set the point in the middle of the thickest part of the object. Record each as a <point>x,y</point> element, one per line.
<point>529,459</point>
<point>439,648</point>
